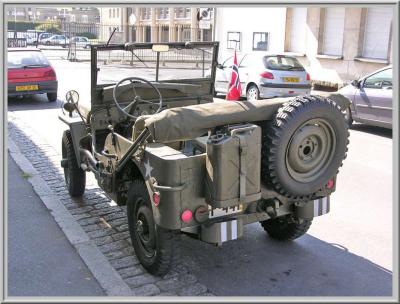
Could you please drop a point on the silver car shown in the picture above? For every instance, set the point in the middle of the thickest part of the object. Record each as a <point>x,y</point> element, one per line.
<point>80,41</point>
<point>371,98</point>
<point>265,76</point>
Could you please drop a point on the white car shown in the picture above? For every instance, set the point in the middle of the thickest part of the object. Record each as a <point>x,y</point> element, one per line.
<point>265,76</point>
<point>80,41</point>
<point>55,40</point>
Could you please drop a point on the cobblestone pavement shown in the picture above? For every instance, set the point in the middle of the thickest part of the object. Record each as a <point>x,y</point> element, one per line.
<point>103,221</point>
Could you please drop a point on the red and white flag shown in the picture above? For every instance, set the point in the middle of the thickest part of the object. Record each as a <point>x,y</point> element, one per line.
<point>234,88</point>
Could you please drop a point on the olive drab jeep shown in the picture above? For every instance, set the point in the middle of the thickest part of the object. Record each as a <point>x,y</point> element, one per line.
<point>181,163</point>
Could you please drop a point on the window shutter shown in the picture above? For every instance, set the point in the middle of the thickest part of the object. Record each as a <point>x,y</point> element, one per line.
<point>333,31</point>
<point>377,32</point>
<point>298,30</point>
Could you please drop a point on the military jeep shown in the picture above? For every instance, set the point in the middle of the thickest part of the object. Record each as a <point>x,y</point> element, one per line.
<point>182,163</point>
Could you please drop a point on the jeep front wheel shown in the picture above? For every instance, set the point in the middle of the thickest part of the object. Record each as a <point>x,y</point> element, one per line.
<point>75,177</point>
<point>286,228</point>
<point>152,244</point>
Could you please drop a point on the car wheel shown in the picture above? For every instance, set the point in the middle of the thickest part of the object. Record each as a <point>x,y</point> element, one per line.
<point>253,94</point>
<point>153,245</point>
<point>52,97</point>
<point>286,228</point>
<point>75,177</point>
<point>348,117</point>
<point>303,146</point>
<point>47,42</point>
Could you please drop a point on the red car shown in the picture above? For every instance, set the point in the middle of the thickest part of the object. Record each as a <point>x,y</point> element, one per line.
<point>30,73</point>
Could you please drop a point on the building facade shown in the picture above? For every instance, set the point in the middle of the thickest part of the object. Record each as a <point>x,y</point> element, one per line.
<point>335,44</point>
<point>48,14</point>
<point>153,24</point>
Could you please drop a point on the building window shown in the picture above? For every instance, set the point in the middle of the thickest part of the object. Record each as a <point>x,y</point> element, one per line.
<point>297,43</point>
<point>186,34</point>
<point>117,12</point>
<point>148,34</point>
<point>72,18</point>
<point>113,14</point>
<point>377,32</point>
<point>163,13</point>
<point>182,12</point>
<point>260,41</point>
<point>109,13</point>
<point>233,41</point>
<point>333,31</point>
<point>85,18</point>
<point>145,14</point>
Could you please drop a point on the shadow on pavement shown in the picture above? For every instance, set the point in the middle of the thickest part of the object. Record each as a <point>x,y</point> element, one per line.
<point>372,130</point>
<point>256,265</point>
<point>32,102</point>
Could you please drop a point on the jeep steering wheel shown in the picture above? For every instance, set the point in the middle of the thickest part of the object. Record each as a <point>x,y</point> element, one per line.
<point>136,99</point>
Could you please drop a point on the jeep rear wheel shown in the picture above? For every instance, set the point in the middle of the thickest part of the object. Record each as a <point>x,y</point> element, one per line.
<point>153,245</point>
<point>75,177</point>
<point>286,228</point>
<point>303,146</point>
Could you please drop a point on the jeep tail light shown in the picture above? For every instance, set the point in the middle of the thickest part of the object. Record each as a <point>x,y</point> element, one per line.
<point>308,77</point>
<point>267,75</point>
<point>330,183</point>
<point>186,216</point>
<point>156,198</point>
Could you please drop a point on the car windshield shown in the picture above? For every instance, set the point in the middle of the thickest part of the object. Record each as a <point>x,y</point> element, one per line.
<point>176,63</point>
<point>21,59</point>
<point>282,63</point>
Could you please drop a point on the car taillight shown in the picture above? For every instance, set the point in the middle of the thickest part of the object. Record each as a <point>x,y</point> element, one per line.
<point>267,75</point>
<point>50,73</point>
<point>308,77</point>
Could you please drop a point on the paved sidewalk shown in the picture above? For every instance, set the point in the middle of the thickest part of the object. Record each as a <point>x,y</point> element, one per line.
<point>41,261</point>
<point>103,224</point>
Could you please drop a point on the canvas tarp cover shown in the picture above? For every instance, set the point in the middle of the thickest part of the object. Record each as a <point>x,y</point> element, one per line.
<point>189,122</point>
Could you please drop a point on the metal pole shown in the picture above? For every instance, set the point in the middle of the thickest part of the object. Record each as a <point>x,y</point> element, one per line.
<point>158,64</point>
<point>202,51</point>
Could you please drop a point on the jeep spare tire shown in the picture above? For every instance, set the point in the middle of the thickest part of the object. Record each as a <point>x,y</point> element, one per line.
<point>304,146</point>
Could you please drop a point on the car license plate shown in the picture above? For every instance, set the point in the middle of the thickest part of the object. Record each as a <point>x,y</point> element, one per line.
<point>33,87</point>
<point>291,79</point>
<point>218,212</point>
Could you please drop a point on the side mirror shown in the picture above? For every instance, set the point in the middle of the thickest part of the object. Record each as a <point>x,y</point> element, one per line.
<point>220,66</point>
<point>355,83</point>
<point>71,104</point>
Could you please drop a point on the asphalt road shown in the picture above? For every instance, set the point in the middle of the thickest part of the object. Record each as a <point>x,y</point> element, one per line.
<point>346,252</point>
<point>41,261</point>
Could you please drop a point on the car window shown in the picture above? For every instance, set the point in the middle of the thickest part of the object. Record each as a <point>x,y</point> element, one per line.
<point>20,59</point>
<point>282,63</point>
<point>227,61</point>
<point>379,80</point>
<point>245,62</point>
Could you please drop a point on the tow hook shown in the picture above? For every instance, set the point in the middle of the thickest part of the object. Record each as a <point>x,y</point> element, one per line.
<point>64,163</point>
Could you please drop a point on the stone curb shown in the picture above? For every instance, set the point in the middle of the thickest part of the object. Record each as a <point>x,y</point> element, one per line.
<point>108,278</point>
<point>104,222</point>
